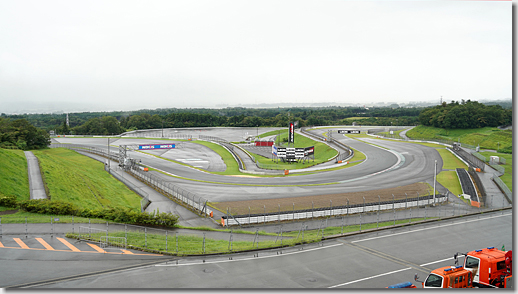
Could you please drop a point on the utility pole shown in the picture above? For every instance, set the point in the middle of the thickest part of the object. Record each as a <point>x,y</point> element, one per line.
<point>108,154</point>
<point>434,181</point>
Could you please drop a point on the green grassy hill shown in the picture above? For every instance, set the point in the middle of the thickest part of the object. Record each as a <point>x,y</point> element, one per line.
<point>78,179</point>
<point>488,138</point>
<point>14,179</point>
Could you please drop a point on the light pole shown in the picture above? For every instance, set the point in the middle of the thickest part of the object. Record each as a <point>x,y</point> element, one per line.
<point>434,180</point>
<point>162,129</point>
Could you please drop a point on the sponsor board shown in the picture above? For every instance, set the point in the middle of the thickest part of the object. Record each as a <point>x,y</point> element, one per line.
<point>291,138</point>
<point>348,131</point>
<point>156,146</point>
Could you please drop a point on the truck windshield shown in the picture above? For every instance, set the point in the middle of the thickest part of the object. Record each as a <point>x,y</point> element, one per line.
<point>471,262</point>
<point>433,280</point>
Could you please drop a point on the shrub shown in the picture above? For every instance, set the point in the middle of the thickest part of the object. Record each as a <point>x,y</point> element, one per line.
<point>8,201</point>
<point>46,206</point>
<point>116,214</point>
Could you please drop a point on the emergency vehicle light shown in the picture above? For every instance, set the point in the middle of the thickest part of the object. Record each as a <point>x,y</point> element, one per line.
<point>447,270</point>
<point>490,248</point>
<point>478,250</point>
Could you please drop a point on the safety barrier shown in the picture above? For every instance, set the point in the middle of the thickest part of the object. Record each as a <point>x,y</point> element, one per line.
<point>507,192</point>
<point>229,220</point>
<point>173,192</point>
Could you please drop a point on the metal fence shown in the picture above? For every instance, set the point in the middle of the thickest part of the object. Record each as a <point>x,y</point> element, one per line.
<point>498,168</point>
<point>507,192</point>
<point>173,192</point>
<point>157,133</point>
<point>331,211</point>
<point>212,138</point>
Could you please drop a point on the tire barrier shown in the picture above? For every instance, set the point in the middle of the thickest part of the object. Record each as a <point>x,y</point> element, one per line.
<point>467,184</point>
<point>246,219</point>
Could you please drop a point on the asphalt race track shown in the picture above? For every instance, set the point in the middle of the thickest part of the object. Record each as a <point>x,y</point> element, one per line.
<point>397,165</point>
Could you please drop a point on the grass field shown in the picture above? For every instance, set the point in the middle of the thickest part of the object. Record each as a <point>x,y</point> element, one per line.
<point>14,178</point>
<point>35,218</point>
<point>488,138</point>
<point>78,179</point>
<point>450,180</point>
<point>449,160</point>
<point>230,162</point>
<point>322,153</point>
<point>197,245</point>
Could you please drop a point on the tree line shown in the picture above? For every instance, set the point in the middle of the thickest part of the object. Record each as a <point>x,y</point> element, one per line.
<point>20,134</point>
<point>107,123</point>
<point>465,115</point>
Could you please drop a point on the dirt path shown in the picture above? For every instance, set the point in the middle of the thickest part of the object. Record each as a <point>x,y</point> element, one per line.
<point>307,202</point>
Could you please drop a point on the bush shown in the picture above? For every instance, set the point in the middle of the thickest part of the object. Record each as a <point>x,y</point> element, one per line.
<point>8,201</point>
<point>45,206</point>
<point>508,149</point>
<point>116,214</point>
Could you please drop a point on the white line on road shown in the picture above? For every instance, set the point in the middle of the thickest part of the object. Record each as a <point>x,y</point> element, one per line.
<point>437,261</point>
<point>424,229</point>
<point>368,278</point>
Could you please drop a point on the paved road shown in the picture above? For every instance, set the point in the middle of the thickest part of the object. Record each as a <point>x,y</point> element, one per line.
<point>37,190</point>
<point>373,260</point>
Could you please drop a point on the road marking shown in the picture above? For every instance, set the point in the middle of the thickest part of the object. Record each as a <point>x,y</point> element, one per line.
<point>390,258</point>
<point>96,248</point>
<point>368,278</point>
<point>45,244</point>
<point>126,251</point>
<point>1,245</point>
<point>446,259</point>
<point>436,227</point>
<point>251,258</point>
<point>20,242</point>
<point>72,247</point>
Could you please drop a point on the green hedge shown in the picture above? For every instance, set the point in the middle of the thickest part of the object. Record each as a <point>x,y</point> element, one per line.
<point>8,201</point>
<point>116,214</point>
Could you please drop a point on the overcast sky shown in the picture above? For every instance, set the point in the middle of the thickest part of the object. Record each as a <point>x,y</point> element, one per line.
<point>123,55</point>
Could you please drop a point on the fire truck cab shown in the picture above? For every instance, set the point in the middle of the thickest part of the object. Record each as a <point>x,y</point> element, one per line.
<point>490,267</point>
<point>448,277</point>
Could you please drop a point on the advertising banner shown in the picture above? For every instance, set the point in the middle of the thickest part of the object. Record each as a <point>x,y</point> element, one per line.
<point>348,131</point>
<point>309,151</point>
<point>291,138</point>
<point>159,146</point>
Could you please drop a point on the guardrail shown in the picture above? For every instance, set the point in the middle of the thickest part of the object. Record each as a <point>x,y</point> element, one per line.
<point>173,192</point>
<point>233,220</point>
<point>341,156</point>
<point>507,192</point>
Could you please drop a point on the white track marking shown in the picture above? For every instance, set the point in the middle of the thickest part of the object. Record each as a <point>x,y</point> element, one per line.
<point>437,261</point>
<point>368,278</point>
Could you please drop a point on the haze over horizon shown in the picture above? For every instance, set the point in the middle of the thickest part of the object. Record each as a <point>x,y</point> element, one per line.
<point>127,55</point>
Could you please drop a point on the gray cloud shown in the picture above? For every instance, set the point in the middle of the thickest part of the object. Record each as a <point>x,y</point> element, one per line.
<point>127,54</point>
